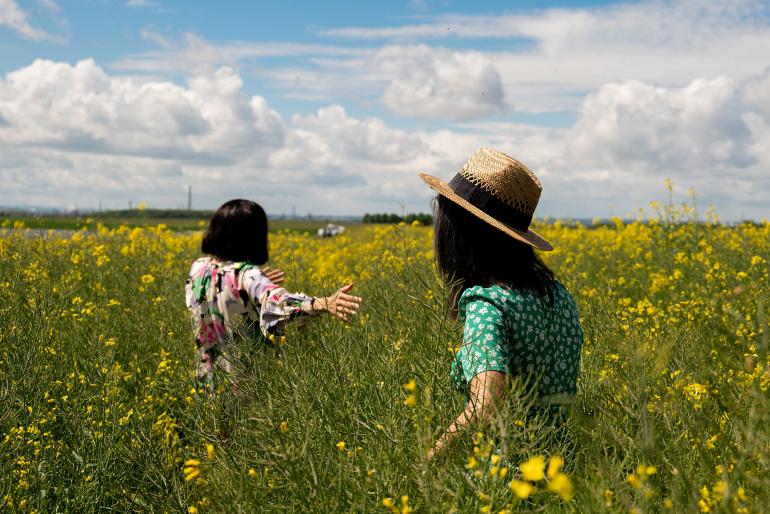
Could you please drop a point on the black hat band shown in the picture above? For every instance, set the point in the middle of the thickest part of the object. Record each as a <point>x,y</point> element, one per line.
<point>487,202</point>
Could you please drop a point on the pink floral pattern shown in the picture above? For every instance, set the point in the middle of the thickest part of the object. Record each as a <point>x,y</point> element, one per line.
<point>228,298</point>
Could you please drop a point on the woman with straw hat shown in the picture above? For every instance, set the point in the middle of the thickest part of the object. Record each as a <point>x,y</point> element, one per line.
<point>520,324</point>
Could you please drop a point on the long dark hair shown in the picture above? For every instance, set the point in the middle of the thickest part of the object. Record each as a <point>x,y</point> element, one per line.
<point>237,232</point>
<point>470,252</point>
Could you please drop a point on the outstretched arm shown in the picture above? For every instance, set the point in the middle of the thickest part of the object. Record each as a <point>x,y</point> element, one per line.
<point>278,306</point>
<point>487,389</point>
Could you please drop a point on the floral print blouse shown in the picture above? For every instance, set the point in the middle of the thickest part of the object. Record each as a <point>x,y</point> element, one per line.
<point>225,298</point>
<point>521,333</point>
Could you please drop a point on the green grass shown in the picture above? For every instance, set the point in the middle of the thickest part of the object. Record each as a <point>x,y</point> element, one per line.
<point>99,414</point>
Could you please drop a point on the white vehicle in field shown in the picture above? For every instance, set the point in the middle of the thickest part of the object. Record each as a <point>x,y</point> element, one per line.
<point>330,230</point>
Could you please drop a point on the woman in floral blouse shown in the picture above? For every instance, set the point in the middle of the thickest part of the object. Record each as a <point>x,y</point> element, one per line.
<point>521,326</point>
<point>230,292</point>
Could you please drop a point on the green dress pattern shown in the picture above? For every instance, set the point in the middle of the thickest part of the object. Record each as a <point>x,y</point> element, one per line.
<point>522,333</point>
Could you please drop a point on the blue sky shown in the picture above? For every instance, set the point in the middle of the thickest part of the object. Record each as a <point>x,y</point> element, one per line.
<point>335,106</point>
<point>107,31</point>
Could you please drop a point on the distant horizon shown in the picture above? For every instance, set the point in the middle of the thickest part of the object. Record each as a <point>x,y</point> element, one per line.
<point>4,209</point>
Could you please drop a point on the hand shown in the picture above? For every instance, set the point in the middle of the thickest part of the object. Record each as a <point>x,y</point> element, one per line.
<point>340,304</point>
<point>275,276</point>
<point>436,451</point>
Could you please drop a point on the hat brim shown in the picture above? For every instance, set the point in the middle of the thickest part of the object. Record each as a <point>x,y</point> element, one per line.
<point>529,237</point>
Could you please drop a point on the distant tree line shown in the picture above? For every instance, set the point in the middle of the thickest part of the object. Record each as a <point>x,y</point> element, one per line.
<point>422,218</point>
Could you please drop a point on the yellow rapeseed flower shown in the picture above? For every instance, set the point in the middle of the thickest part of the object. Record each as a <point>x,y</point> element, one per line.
<point>534,469</point>
<point>644,470</point>
<point>210,451</point>
<point>561,485</point>
<point>554,466</point>
<point>634,480</point>
<point>405,508</point>
<point>191,474</point>
<point>191,470</point>
<point>521,489</point>
<point>340,446</point>
<point>389,504</point>
<point>609,494</point>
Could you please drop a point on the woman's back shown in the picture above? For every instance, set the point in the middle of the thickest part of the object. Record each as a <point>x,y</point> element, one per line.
<point>228,297</point>
<point>536,338</point>
<point>227,292</point>
<point>220,297</point>
<point>525,334</point>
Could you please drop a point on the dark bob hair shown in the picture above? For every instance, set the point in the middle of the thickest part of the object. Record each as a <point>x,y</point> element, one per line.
<point>470,252</point>
<point>237,232</point>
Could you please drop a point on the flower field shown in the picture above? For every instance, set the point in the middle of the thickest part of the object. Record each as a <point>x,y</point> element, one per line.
<point>99,412</point>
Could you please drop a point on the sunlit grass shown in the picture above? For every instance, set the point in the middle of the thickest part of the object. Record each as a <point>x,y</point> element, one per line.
<point>99,410</point>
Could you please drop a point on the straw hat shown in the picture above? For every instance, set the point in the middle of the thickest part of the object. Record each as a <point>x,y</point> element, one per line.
<point>499,190</point>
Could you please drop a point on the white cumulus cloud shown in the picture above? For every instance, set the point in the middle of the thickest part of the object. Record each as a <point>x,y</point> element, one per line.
<point>549,59</point>
<point>533,60</point>
<point>15,18</point>
<point>81,108</point>
<point>331,148</point>
<point>73,134</point>
<point>756,94</point>
<point>439,83</point>
<point>692,130</point>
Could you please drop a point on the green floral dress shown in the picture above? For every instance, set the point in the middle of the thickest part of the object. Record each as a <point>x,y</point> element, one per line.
<point>524,334</point>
